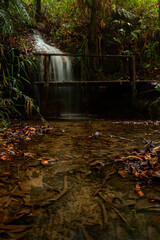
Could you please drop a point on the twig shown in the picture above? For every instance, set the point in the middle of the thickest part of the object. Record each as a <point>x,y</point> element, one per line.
<point>118,213</point>
<point>50,187</point>
<point>6,204</point>
<point>105,216</point>
<point>134,157</point>
<point>55,198</point>
<point>104,181</point>
<point>87,237</point>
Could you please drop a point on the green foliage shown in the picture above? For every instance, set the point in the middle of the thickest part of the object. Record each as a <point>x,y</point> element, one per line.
<point>124,14</point>
<point>63,9</point>
<point>138,6</point>
<point>13,72</point>
<point>157,89</point>
<point>6,25</point>
<point>12,12</point>
<point>21,10</point>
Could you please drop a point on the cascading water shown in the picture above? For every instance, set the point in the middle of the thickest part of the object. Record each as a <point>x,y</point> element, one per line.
<point>59,66</point>
<point>58,100</point>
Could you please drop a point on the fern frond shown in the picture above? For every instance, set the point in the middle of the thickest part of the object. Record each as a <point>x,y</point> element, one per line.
<point>21,10</point>
<point>6,24</point>
<point>7,13</point>
<point>123,13</point>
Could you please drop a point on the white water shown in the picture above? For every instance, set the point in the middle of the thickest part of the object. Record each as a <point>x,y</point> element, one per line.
<point>63,100</point>
<point>60,68</point>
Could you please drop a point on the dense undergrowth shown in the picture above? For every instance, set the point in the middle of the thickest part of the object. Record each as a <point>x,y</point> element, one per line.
<point>122,27</point>
<point>14,66</point>
<point>13,69</point>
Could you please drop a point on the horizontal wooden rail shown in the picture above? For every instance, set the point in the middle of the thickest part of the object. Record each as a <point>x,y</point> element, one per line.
<point>129,58</point>
<point>110,81</point>
<point>97,83</point>
<point>83,82</point>
<point>80,55</point>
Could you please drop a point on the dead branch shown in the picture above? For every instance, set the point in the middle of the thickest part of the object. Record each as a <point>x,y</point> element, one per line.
<point>55,198</point>
<point>108,201</point>
<point>104,212</point>
<point>87,237</point>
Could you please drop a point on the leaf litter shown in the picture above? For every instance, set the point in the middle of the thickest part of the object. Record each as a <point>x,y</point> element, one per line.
<point>13,163</point>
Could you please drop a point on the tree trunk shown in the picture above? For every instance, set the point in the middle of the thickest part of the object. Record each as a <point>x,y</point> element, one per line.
<point>38,9</point>
<point>159,11</point>
<point>159,24</point>
<point>92,29</point>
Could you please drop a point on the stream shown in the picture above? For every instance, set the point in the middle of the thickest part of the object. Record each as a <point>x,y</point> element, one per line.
<point>72,188</point>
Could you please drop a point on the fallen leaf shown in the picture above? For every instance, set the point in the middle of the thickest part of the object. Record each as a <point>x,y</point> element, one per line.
<point>28,155</point>
<point>15,228</point>
<point>88,172</point>
<point>18,235</point>
<point>14,199</point>
<point>156,172</point>
<point>155,198</point>
<point>123,173</point>
<point>84,160</point>
<point>27,138</point>
<point>133,158</point>
<point>44,162</point>
<point>138,189</point>
<point>119,159</point>
<point>95,163</point>
<point>135,172</point>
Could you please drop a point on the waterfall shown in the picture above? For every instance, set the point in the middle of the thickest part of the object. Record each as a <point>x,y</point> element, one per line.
<point>55,99</point>
<point>59,66</point>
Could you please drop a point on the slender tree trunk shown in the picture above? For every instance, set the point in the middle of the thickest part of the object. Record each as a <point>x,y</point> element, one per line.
<point>6,4</point>
<point>38,9</point>
<point>159,24</point>
<point>92,29</point>
<point>159,11</point>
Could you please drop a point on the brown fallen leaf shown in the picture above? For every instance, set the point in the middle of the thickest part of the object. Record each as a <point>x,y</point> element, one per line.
<point>95,163</point>
<point>153,161</point>
<point>133,158</point>
<point>135,172</point>
<point>14,199</point>
<point>119,159</point>
<point>19,235</point>
<point>123,173</point>
<point>28,155</point>
<point>156,172</point>
<point>15,228</point>
<point>84,160</point>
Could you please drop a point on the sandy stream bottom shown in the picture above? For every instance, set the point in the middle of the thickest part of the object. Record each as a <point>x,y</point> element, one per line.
<point>79,193</point>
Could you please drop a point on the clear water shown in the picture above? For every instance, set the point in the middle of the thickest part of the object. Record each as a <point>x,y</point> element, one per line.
<point>118,212</point>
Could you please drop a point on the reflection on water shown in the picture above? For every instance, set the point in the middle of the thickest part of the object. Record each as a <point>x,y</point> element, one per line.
<point>98,203</point>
